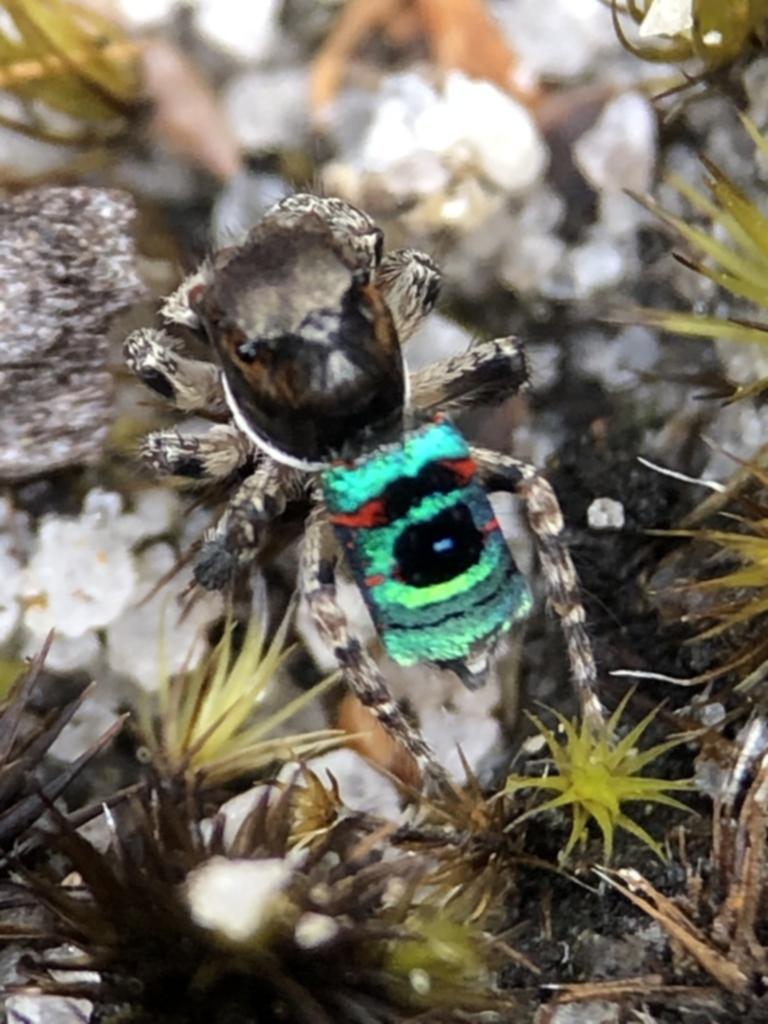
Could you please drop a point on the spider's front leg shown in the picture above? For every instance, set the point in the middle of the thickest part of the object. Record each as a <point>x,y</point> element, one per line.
<point>488,372</point>
<point>318,588</point>
<point>410,282</point>
<point>190,385</point>
<point>235,539</point>
<point>505,473</point>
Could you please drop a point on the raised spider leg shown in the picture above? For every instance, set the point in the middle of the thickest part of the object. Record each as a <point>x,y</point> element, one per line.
<point>189,384</point>
<point>488,372</point>
<point>177,307</point>
<point>317,586</point>
<point>410,281</point>
<point>505,473</point>
<point>236,537</point>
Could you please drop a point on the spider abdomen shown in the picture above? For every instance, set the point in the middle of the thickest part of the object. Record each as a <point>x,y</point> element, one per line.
<point>423,544</point>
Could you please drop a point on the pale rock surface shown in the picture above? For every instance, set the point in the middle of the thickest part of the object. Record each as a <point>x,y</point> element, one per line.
<point>268,108</point>
<point>152,637</point>
<point>562,39</point>
<point>244,31</point>
<point>81,574</point>
<point>66,653</point>
<point>619,151</point>
<point>417,135</point>
<point>140,14</point>
<point>35,1009</point>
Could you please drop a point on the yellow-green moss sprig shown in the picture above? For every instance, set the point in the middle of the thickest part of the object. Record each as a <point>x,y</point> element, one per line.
<point>596,774</point>
<point>210,722</point>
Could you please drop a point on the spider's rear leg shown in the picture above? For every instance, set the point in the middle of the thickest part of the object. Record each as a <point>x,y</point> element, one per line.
<point>410,283</point>
<point>488,372</point>
<point>235,539</point>
<point>505,473</point>
<point>317,586</point>
<point>189,384</point>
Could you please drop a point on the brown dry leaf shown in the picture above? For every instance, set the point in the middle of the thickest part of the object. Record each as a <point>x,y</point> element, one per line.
<point>186,116</point>
<point>735,925</point>
<point>460,34</point>
<point>678,926</point>
<point>370,738</point>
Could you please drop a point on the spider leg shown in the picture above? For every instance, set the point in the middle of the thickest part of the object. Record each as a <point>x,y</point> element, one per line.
<point>235,539</point>
<point>488,372</point>
<point>213,455</point>
<point>177,307</point>
<point>189,384</point>
<point>409,280</point>
<point>318,588</point>
<point>505,473</point>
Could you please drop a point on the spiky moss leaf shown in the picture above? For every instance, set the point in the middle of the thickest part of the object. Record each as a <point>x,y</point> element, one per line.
<point>71,60</point>
<point>10,671</point>
<point>739,596</point>
<point>474,857</point>
<point>340,935</point>
<point>736,260</point>
<point>25,739</point>
<point>208,722</point>
<point>596,774</point>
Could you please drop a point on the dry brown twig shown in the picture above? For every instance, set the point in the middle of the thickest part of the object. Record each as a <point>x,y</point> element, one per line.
<point>729,950</point>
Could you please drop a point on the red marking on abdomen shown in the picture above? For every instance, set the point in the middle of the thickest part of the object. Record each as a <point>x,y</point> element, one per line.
<point>464,469</point>
<point>374,581</point>
<point>490,526</point>
<point>367,516</point>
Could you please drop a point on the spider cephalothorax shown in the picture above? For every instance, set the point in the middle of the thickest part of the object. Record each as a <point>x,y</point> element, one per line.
<point>306,319</point>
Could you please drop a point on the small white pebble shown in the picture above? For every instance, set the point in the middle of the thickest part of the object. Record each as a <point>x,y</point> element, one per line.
<point>495,129</point>
<point>102,505</point>
<point>10,585</point>
<point>47,1010</point>
<point>245,31</point>
<point>605,514</point>
<point>596,264</point>
<point>144,13</point>
<point>619,150</point>
<point>81,575</point>
<point>712,713</point>
<point>280,97</point>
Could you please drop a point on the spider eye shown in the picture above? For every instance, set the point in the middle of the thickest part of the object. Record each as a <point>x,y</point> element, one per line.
<point>439,549</point>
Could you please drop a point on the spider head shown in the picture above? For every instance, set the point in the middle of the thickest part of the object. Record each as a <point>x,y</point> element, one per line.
<point>307,345</point>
